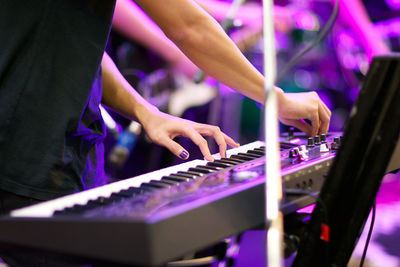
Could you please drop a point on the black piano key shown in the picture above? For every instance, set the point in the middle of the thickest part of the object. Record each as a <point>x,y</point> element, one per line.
<point>91,205</point>
<point>176,178</point>
<point>247,158</point>
<point>219,164</point>
<point>191,174</point>
<point>102,201</point>
<point>59,212</point>
<point>187,175</point>
<point>259,149</point>
<point>68,210</point>
<point>180,176</point>
<point>248,155</point>
<point>209,168</point>
<point>201,170</point>
<point>148,189</point>
<point>117,196</point>
<point>153,186</point>
<point>234,161</point>
<point>79,207</point>
<point>114,197</point>
<point>173,181</point>
<point>251,154</point>
<point>169,183</point>
<point>98,202</point>
<point>227,162</point>
<point>256,152</point>
<point>76,209</point>
<point>131,191</point>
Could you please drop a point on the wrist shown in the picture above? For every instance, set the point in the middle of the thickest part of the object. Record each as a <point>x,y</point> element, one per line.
<point>144,112</point>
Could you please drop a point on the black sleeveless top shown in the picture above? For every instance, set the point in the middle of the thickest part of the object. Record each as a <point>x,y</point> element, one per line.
<point>51,130</point>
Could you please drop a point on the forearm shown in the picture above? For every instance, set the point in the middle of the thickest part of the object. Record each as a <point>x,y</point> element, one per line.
<point>204,42</point>
<point>161,128</point>
<point>130,20</point>
<point>219,9</point>
<point>119,95</point>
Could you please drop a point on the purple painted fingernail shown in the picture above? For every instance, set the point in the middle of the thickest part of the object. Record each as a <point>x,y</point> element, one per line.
<point>184,155</point>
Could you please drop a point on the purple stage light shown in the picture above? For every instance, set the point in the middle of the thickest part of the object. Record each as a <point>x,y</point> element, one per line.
<point>393,4</point>
<point>306,21</point>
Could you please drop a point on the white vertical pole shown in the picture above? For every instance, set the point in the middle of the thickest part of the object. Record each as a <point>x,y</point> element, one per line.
<point>273,183</point>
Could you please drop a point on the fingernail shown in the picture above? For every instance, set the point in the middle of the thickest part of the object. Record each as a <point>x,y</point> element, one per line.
<point>184,155</point>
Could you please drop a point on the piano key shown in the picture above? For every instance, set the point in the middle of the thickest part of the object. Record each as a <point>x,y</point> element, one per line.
<point>165,183</point>
<point>115,197</point>
<point>227,161</point>
<point>155,185</point>
<point>242,148</point>
<point>243,157</point>
<point>235,161</point>
<point>171,183</point>
<point>102,201</point>
<point>201,170</point>
<point>219,164</point>
<point>248,155</point>
<point>256,152</point>
<point>190,174</point>
<point>46,209</point>
<point>210,168</point>
<point>176,178</point>
<point>187,175</point>
<point>180,176</point>
<point>131,191</point>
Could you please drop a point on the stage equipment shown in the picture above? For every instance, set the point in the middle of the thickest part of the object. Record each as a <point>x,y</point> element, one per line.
<point>356,174</point>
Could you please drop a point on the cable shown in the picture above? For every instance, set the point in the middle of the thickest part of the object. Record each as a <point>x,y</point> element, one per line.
<point>321,35</point>
<point>369,234</point>
<point>324,210</point>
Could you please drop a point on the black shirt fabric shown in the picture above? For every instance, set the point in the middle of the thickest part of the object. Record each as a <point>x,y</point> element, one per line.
<point>51,130</point>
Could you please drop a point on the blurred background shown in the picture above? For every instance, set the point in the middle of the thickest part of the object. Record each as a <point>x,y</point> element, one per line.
<point>334,69</point>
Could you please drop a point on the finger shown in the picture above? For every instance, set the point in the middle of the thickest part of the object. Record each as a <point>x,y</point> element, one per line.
<point>214,132</point>
<point>175,148</point>
<point>230,141</point>
<point>302,126</point>
<point>204,131</point>
<point>315,122</point>
<point>199,141</point>
<point>328,111</point>
<point>220,138</point>
<point>325,119</point>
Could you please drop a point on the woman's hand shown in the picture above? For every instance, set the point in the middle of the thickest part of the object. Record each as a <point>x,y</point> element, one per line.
<point>163,128</point>
<point>295,107</point>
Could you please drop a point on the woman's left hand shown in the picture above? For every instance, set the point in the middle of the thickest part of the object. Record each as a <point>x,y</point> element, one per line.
<point>163,128</point>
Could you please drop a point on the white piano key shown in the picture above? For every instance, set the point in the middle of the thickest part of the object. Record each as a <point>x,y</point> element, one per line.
<point>46,209</point>
<point>241,149</point>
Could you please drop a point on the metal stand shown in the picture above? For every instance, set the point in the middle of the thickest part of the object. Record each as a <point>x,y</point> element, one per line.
<point>273,183</point>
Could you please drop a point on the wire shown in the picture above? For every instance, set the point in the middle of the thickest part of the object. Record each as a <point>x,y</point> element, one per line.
<point>369,234</point>
<point>324,210</point>
<point>321,35</point>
